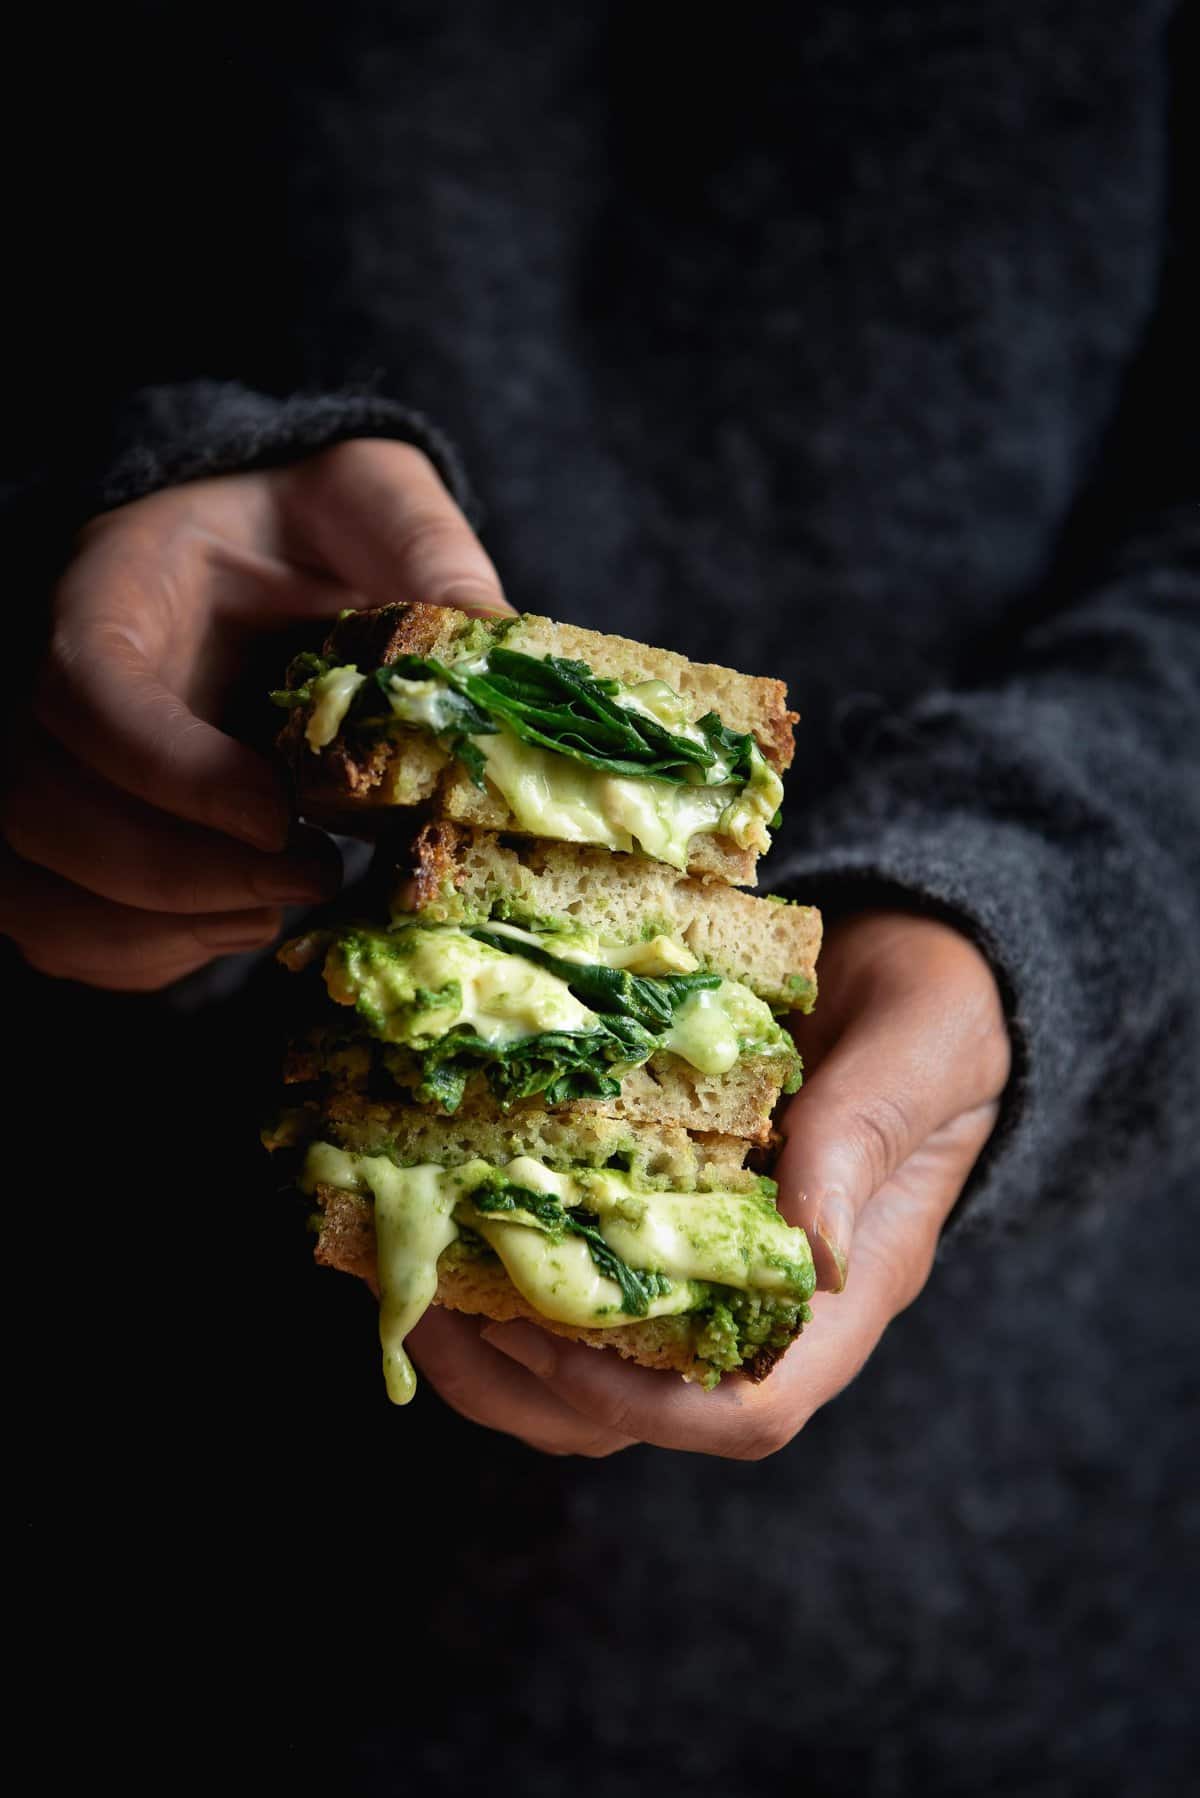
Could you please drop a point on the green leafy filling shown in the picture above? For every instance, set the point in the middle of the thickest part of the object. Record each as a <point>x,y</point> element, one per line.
<point>638,1288</point>
<point>560,1064</point>
<point>303,671</point>
<point>561,705</point>
<point>651,1001</point>
<point>634,1011</point>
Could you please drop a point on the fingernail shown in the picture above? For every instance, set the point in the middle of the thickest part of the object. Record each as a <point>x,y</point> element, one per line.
<point>524,1343</point>
<point>835,1227</point>
<point>260,819</point>
<point>298,884</point>
<point>238,930</point>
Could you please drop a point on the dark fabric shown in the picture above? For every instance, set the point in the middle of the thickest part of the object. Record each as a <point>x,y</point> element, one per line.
<point>850,343</point>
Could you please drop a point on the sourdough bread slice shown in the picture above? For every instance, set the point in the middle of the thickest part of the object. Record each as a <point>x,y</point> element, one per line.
<point>464,876</point>
<point>349,781</point>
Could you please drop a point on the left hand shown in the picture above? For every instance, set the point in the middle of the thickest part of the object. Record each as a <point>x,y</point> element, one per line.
<point>907,1054</point>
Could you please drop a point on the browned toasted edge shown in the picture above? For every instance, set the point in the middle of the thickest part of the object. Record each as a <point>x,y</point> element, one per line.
<point>368,639</point>
<point>777,738</point>
<point>435,857</point>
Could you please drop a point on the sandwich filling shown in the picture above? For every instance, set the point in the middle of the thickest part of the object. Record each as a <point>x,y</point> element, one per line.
<point>585,1247</point>
<point>574,755</point>
<point>555,1011</point>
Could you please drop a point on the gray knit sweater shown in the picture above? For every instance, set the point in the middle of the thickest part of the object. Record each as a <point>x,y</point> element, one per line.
<point>852,343</point>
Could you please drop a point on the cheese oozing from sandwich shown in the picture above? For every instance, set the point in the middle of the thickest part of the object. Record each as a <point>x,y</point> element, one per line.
<point>680,1245</point>
<point>415,983</point>
<point>553,794</point>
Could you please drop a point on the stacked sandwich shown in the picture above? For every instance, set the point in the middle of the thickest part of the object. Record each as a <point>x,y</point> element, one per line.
<point>534,1089</point>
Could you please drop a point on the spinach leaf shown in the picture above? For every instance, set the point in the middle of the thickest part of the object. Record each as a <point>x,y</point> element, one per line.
<point>637,1287</point>
<point>560,1064</point>
<point>303,670</point>
<point>455,719</point>
<point>559,704</point>
<point>649,1000</point>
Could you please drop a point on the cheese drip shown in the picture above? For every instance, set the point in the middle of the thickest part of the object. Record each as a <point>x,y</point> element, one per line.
<point>697,1240</point>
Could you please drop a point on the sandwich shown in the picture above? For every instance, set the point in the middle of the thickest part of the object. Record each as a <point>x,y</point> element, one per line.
<point>656,1242</point>
<point>542,975</point>
<point>541,1084</point>
<point>539,729</point>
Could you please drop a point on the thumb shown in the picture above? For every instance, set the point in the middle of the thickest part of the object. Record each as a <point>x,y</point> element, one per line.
<point>921,1041</point>
<point>379,517</point>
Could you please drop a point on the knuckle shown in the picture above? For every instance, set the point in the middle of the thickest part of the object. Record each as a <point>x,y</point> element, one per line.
<point>766,1429</point>
<point>880,1133</point>
<point>426,537</point>
<point>601,1445</point>
<point>762,1442</point>
<point>613,1414</point>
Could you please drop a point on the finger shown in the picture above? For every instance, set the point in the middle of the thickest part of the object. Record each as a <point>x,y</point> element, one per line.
<point>739,1420</point>
<point>909,1058</point>
<point>74,935</point>
<point>381,520</point>
<point>744,1421</point>
<point>102,698</point>
<point>64,818</point>
<point>489,1388</point>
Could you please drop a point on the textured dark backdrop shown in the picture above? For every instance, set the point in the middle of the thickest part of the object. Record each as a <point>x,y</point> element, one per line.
<point>850,342</point>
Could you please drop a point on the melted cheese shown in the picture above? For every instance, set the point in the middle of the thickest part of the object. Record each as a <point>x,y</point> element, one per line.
<point>420,702</point>
<point>747,818</point>
<point>503,998</point>
<point>660,955</point>
<point>332,694</point>
<point>696,1239</point>
<point>716,1025</point>
<point>552,796</point>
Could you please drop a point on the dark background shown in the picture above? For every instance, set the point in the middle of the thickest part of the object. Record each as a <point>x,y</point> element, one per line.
<point>973,1573</point>
<point>858,366</point>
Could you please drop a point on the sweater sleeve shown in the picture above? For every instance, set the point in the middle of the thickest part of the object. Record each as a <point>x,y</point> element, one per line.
<point>158,436</point>
<point>1049,805</point>
<point>1054,815</point>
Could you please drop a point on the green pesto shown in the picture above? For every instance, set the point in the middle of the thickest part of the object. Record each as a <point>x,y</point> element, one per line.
<point>739,1325</point>
<point>801,991</point>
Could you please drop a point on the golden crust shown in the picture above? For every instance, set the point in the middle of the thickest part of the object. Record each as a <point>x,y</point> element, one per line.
<point>771,947</point>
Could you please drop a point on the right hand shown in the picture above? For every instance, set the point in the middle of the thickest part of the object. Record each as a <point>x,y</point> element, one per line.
<point>140,840</point>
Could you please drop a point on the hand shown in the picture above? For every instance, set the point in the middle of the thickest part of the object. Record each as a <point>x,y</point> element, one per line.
<point>142,840</point>
<point>907,1054</point>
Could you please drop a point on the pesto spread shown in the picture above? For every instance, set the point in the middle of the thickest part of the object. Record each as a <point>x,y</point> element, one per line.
<point>558,1013</point>
<point>584,1246</point>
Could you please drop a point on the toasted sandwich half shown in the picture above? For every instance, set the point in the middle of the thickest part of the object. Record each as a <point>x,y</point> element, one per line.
<point>542,729</point>
<point>540,975</point>
<point>658,1244</point>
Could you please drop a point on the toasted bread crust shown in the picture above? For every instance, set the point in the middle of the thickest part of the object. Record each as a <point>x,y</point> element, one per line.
<point>771,947</point>
<point>699,1161</point>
